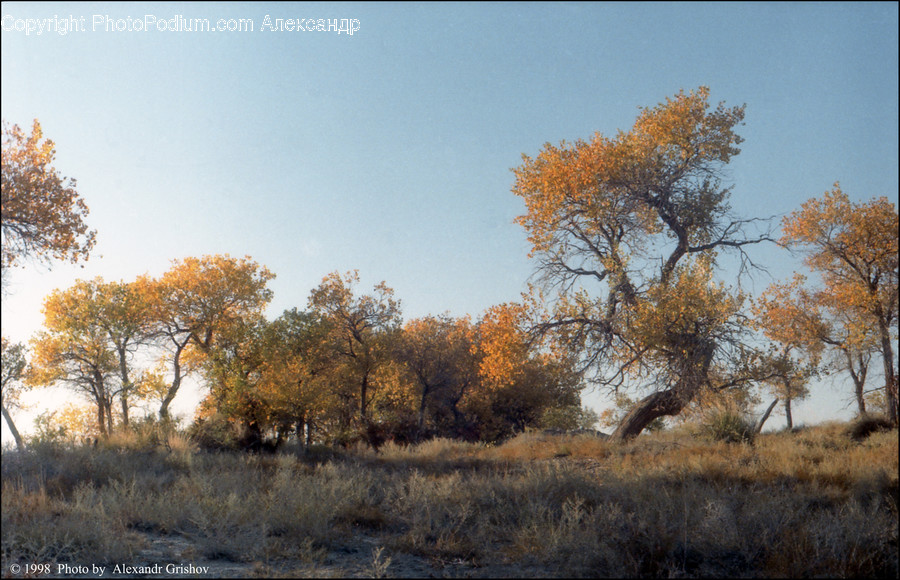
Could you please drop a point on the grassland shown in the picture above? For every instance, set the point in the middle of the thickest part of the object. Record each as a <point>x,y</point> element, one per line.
<point>810,503</point>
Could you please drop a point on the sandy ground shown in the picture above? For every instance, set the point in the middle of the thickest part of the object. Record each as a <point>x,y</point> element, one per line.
<point>356,557</point>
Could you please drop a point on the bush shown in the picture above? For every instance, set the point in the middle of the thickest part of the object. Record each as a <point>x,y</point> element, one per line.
<point>213,433</point>
<point>729,426</point>
<point>865,425</point>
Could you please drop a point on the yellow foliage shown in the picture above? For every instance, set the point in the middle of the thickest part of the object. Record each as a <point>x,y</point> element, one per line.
<point>42,213</point>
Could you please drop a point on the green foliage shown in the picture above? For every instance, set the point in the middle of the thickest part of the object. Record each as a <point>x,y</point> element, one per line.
<point>569,418</point>
<point>728,426</point>
<point>213,433</point>
<point>47,431</point>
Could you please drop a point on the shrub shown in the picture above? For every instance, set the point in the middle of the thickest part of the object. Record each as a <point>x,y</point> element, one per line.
<point>213,433</point>
<point>865,425</point>
<point>728,426</point>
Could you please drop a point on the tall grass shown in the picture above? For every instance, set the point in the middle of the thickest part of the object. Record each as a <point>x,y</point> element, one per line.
<point>812,503</point>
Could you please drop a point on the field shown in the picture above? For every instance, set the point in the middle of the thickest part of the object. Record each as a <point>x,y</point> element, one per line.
<point>811,503</point>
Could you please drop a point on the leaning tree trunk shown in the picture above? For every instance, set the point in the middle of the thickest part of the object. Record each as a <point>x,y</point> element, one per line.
<point>20,445</point>
<point>660,404</point>
<point>762,420</point>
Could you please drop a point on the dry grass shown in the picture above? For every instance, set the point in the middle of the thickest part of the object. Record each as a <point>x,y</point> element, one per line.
<point>813,503</point>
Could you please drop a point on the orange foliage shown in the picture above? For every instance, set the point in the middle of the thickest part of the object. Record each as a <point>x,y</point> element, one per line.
<point>42,213</point>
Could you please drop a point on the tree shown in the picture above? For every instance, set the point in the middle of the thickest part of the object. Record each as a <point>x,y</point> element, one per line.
<point>518,379</point>
<point>791,321</point>
<point>439,353</point>
<point>43,215</point>
<point>294,379</point>
<point>853,246</point>
<point>198,298</point>
<point>627,230</point>
<point>75,353</point>
<point>110,319</point>
<point>13,370</point>
<point>233,366</point>
<point>789,378</point>
<point>360,338</point>
<point>807,323</point>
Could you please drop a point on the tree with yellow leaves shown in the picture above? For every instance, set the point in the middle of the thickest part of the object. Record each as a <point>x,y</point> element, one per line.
<point>626,230</point>
<point>360,338</point>
<point>853,246</point>
<point>75,353</point>
<point>43,215</point>
<point>94,321</point>
<point>196,300</point>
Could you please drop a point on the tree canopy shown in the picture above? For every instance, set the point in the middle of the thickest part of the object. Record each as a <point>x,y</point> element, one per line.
<point>43,215</point>
<point>854,248</point>
<point>626,231</point>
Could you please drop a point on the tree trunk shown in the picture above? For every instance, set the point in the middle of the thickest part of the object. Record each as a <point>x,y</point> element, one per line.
<point>762,420</point>
<point>109,416</point>
<point>126,383</point>
<point>787,413</point>
<point>170,394</point>
<point>890,379</point>
<point>659,404</point>
<point>421,420</point>
<point>176,380</point>
<point>303,430</point>
<point>363,394</point>
<point>20,445</point>
<point>101,418</point>
<point>124,410</point>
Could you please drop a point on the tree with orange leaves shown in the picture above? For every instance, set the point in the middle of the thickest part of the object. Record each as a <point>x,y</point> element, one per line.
<point>43,215</point>
<point>626,230</point>
<point>801,321</point>
<point>111,315</point>
<point>519,379</point>
<point>853,246</point>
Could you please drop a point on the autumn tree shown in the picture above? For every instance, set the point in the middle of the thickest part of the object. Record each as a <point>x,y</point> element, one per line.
<point>797,335</point>
<point>13,370</point>
<point>233,367</point>
<point>75,352</point>
<point>360,337</point>
<point>626,230</point>
<point>439,353</point>
<point>112,320</point>
<point>519,379</point>
<point>43,215</point>
<point>195,300</point>
<point>119,312</point>
<point>853,246</point>
<point>804,322</point>
<point>295,378</point>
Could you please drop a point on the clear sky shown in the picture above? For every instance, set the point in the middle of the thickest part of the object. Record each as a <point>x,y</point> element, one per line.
<point>389,151</point>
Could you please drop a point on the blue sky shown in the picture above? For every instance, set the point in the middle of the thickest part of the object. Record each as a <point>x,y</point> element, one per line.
<point>389,151</point>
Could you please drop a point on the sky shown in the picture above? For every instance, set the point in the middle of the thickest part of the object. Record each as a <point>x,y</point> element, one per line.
<point>390,150</point>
